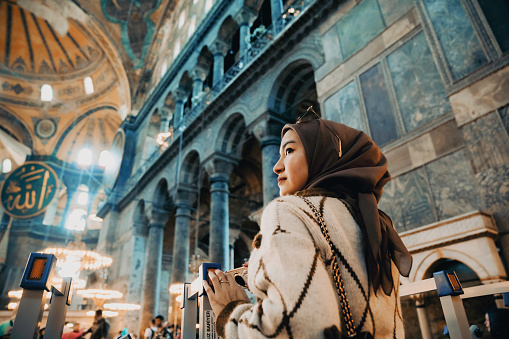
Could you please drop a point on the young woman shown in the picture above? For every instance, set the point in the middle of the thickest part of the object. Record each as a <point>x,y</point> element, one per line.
<point>330,179</point>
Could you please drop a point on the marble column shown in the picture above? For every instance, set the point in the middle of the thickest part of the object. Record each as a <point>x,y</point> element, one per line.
<point>198,75</point>
<point>71,190</point>
<point>135,284</point>
<point>276,9</point>
<point>245,18</point>
<point>180,99</point>
<point>219,49</point>
<point>166,116</point>
<point>219,170</point>
<point>423,318</point>
<point>153,260</point>
<point>268,133</point>
<point>180,266</point>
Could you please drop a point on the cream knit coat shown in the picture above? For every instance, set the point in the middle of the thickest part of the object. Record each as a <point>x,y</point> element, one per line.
<point>289,272</point>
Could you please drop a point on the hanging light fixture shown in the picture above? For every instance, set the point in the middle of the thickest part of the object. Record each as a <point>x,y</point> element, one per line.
<point>122,307</point>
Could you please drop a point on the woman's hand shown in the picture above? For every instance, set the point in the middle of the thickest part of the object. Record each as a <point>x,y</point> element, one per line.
<point>225,291</point>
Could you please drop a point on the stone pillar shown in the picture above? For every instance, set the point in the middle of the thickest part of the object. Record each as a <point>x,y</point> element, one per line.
<point>180,100</point>
<point>166,116</point>
<point>153,259</point>
<point>276,9</point>
<point>180,266</point>
<point>219,169</point>
<point>423,318</point>
<point>219,49</point>
<point>245,18</point>
<point>268,133</point>
<point>198,75</point>
<point>71,190</point>
<point>135,284</point>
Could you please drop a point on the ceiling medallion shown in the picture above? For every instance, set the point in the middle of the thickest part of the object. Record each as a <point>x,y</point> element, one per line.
<point>45,128</point>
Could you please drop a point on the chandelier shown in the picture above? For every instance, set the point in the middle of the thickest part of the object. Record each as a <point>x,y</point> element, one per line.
<point>81,259</point>
<point>122,307</point>
<point>107,314</point>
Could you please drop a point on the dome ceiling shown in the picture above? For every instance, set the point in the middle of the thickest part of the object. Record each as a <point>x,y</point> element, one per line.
<point>35,53</point>
<point>33,48</point>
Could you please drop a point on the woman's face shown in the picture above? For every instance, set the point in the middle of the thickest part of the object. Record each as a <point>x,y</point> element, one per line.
<point>292,167</point>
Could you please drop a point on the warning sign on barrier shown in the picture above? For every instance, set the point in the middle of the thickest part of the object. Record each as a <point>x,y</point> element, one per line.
<point>210,325</point>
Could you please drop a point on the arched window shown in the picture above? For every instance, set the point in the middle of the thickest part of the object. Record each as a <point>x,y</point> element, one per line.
<point>192,26</point>
<point>176,49</point>
<point>89,85</point>
<point>182,19</point>
<point>164,68</point>
<point>82,195</point>
<point>46,93</point>
<point>104,158</point>
<point>6,165</point>
<point>208,5</point>
<point>76,220</point>
<point>85,157</point>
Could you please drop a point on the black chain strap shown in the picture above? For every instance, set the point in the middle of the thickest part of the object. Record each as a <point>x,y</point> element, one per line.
<point>345,307</point>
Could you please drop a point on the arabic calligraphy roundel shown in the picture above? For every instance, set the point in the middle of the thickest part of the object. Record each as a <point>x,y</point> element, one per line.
<point>28,190</point>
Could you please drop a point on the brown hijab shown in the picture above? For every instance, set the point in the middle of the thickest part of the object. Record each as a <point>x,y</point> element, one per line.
<point>360,173</point>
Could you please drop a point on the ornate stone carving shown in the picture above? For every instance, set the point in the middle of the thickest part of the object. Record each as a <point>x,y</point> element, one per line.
<point>245,16</point>
<point>219,47</point>
<point>448,231</point>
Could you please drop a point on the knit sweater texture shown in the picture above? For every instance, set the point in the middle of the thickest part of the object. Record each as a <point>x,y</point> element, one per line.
<point>290,274</point>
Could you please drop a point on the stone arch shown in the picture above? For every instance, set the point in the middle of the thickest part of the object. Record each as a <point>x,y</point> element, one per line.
<point>169,101</point>
<point>423,266</point>
<point>161,197</point>
<point>294,91</point>
<point>232,135</point>
<point>16,129</point>
<point>253,4</point>
<point>154,124</point>
<point>190,171</point>
<point>206,62</point>
<point>140,219</point>
<point>227,30</point>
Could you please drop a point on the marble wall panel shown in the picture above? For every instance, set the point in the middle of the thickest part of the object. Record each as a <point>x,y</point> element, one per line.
<point>446,137</point>
<point>408,200</point>
<point>493,186</point>
<point>504,115</point>
<point>344,107</point>
<point>419,89</point>
<point>359,27</point>
<point>456,35</point>
<point>378,107</point>
<point>487,141</point>
<point>496,13</point>
<point>452,185</point>
<point>394,9</point>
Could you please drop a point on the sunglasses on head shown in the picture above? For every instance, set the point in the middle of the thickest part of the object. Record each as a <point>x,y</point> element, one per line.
<point>312,117</point>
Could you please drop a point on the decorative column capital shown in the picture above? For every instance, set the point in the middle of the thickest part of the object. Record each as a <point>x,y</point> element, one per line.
<point>158,217</point>
<point>245,16</point>
<point>267,131</point>
<point>220,166</point>
<point>185,196</point>
<point>139,228</point>
<point>180,95</point>
<point>219,47</point>
<point>165,112</point>
<point>199,73</point>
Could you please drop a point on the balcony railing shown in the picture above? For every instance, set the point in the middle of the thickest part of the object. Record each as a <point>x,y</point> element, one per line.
<point>255,49</point>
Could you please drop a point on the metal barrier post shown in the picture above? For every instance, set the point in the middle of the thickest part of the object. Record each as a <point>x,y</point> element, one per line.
<point>189,312</point>
<point>58,309</point>
<point>36,281</point>
<point>449,290</point>
<point>207,319</point>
